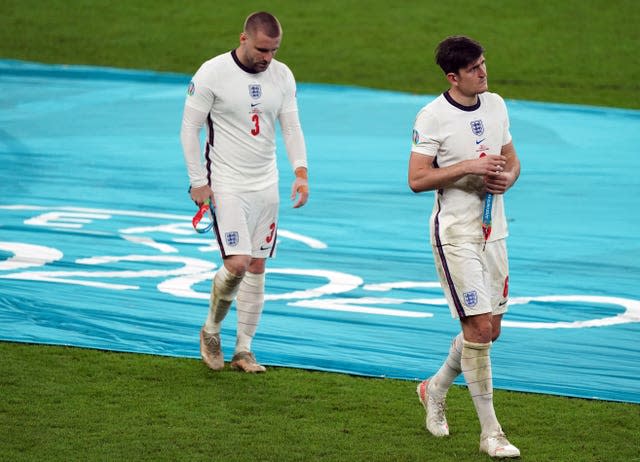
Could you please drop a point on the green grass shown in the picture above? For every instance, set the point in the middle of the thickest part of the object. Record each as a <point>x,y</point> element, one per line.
<point>578,51</point>
<point>67,404</point>
<point>64,404</point>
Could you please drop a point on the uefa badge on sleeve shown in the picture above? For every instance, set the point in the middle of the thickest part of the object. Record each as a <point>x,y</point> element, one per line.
<point>415,137</point>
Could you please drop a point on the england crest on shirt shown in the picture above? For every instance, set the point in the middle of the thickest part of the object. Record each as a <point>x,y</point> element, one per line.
<point>255,90</point>
<point>477,127</point>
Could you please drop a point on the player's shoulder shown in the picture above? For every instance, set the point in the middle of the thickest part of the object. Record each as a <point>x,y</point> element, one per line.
<point>434,105</point>
<point>281,69</point>
<point>216,63</point>
<point>491,98</point>
<point>223,59</point>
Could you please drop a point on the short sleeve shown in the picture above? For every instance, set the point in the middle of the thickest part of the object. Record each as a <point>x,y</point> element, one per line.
<point>425,139</point>
<point>506,133</point>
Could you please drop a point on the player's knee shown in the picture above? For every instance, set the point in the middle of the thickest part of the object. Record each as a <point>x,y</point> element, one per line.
<point>478,329</point>
<point>496,322</point>
<point>257,266</point>
<point>237,264</point>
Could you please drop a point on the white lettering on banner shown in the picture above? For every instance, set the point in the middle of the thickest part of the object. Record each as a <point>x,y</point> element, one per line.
<point>65,219</point>
<point>76,217</point>
<point>184,273</point>
<point>313,243</point>
<point>164,248</point>
<point>181,229</point>
<point>204,245</point>
<point>631,313</point>
<point>27,255</point>
<point>182,286</point>
<point>190,266</point>
<point>384,287</point>
<point>338,283</point>
<point>354,305</point>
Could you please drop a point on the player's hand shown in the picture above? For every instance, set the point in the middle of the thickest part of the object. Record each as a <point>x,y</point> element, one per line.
<point>498,183</point>
<point>487,165</point>
<point>202,194</point>
<point>300,188</point>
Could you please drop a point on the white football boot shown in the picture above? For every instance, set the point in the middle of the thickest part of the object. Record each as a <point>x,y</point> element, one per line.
<point>436,420</point>
<point>497,445</point>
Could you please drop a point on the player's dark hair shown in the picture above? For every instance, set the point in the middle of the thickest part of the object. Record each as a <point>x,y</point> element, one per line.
<point>456,52</point>
<point>266,22</point>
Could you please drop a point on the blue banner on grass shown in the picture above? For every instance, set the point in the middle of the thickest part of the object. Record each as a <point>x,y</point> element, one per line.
<point>97,249</point>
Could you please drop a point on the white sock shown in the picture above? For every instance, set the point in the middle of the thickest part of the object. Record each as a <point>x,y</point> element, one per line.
<point>223,290</point>
<point>439,384</point>
<point>249,304</point>
<point>476,367</point>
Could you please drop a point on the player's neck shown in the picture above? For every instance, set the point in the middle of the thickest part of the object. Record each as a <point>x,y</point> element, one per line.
<point>461,98</point>
<point>241,57</point>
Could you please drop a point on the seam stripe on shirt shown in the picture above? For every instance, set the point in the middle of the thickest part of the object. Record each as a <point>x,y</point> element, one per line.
<point>207,153</point>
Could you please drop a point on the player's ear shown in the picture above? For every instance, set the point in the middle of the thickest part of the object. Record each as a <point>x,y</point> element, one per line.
<point>452,77</point>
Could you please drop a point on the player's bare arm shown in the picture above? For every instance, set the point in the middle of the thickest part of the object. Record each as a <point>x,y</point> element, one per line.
<point>424,176</point>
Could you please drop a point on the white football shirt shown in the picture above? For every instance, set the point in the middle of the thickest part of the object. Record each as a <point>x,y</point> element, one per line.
<point>242,108</point>
<point>451,133</point>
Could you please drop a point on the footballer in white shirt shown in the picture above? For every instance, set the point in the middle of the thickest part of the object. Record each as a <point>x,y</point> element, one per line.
<point>238,97</point>
<point>462,149</point>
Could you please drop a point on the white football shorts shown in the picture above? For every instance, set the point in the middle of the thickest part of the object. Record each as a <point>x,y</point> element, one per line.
<point>247,223</point>
<point>474,281</point>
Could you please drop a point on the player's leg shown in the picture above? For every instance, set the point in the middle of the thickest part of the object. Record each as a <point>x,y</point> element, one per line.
<point>233,240</point>
<point>476,368</point>
<point>442,380</point>
<point>263,220</point>
<point>224,288</point>
<point>433,391</point>
<point>498,266</point>
<point>479,330</point>
<point>249,306</point>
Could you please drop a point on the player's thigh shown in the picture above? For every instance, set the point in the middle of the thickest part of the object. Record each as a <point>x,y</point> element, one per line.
<point>497,262</point>
<point>461,269</point>
<point>231,224</point>
<point>263,222</point>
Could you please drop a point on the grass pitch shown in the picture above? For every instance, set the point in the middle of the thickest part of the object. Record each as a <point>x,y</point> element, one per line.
<point>578,51</point>
<point>63,404</point>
